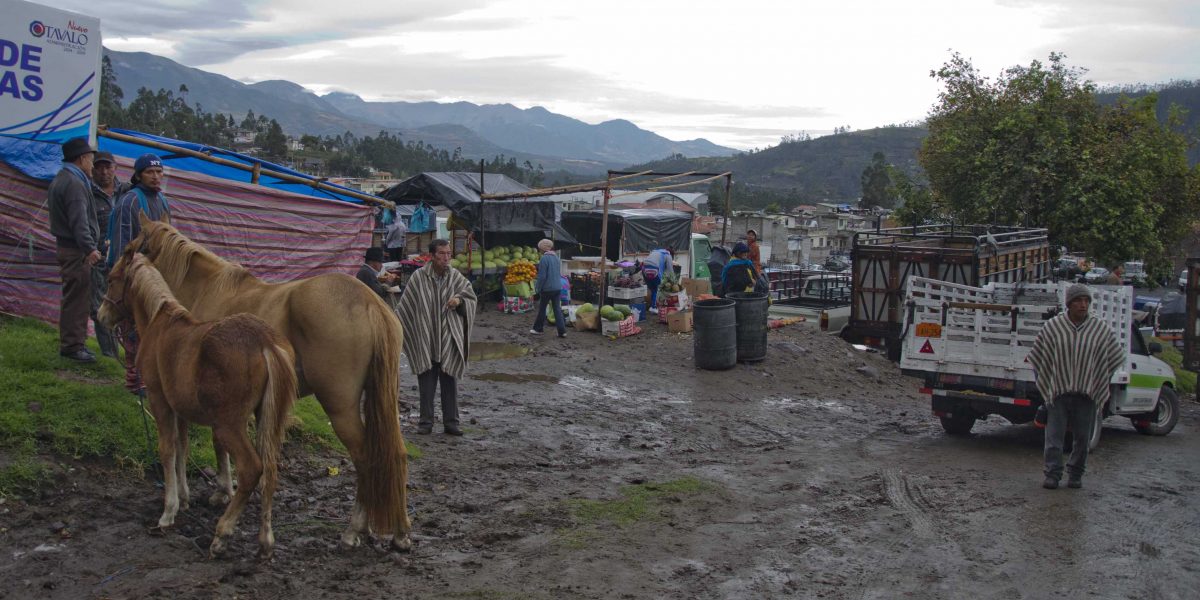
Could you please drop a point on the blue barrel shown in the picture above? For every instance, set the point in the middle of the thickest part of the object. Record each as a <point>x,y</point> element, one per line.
<point>715,334</point>
<point>751,311</point>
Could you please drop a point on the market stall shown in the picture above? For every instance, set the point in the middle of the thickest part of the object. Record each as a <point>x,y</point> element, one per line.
<point>490,235</point>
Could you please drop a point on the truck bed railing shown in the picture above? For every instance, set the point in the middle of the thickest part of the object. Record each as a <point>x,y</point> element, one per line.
<point>989,331</point>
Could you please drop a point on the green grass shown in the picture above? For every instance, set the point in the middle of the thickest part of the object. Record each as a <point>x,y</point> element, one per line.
<point>1185,381</point>
<point>645,502</point>
<point>49,404</point>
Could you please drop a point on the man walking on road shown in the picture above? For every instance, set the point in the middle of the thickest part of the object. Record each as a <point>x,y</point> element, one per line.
<point>73,224</point>
<point>1074,358</point>
<point>437,310</point>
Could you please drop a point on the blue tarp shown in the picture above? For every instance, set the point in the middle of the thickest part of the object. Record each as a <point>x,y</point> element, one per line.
<point>42,160</point>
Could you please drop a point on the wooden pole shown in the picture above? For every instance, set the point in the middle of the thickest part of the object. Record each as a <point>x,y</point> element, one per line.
<point>255,173</point>
<point>315,183</point>
<point>725,221</point>
<point>482,233</point>
<point>604,243</point>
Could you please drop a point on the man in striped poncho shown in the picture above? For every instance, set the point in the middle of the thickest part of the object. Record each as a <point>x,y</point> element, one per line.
<point>1074,358</point>
<point>437,309</point>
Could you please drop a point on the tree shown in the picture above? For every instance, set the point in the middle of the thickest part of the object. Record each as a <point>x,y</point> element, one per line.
<point>272,141</point>
<point>1035,148</point>
<point>876,184</point>
<point>916,202</point>
<point>111,113</point>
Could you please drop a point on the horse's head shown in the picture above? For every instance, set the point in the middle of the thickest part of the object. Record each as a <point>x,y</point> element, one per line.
<point>136,290</point>
<point>113,308</point>
<point>152,237</point>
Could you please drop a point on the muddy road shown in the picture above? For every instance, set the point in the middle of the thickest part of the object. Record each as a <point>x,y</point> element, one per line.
<point>593,468</point>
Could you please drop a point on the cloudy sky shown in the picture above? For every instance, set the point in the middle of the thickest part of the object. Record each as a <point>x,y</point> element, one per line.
<point>741,73</point>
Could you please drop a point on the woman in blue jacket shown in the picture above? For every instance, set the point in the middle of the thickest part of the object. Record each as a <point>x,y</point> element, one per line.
<point>548,287</point>
<point>739,274</point>
<point>657,265</point>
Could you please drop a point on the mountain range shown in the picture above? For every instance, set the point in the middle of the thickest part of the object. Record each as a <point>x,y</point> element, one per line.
<point>480,131</point>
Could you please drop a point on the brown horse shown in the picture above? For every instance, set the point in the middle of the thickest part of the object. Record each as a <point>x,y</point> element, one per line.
<point>347,344</point>
<point>213,373</point>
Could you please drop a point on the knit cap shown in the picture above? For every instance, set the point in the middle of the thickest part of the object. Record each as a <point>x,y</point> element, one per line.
<point>1077,290</point>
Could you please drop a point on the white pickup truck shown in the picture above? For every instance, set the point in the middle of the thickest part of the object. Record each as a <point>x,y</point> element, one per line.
<point>969,345</point>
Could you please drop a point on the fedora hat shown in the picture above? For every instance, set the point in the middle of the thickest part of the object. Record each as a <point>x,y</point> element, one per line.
<point>76,147</point>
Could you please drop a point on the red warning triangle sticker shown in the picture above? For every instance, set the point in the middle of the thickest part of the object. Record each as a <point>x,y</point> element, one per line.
<point>927,348</point>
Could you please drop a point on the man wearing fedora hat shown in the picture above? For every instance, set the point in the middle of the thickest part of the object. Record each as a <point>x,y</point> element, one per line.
<point>73,225</point>
<point>105,192</point>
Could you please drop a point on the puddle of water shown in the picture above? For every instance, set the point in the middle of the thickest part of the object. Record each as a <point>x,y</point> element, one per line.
<point>496,351</point>
<point>591,386</point>
<point>516,377</point>
<point>832,405</point>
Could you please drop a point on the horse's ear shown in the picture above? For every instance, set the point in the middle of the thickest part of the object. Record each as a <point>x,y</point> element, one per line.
<point>143,220</point>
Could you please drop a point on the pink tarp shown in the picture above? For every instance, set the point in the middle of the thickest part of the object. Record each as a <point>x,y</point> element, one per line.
<point>277,235</point>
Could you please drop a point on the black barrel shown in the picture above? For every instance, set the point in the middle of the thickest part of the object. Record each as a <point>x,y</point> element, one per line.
<point>715,337</point>
<point>751,313</point>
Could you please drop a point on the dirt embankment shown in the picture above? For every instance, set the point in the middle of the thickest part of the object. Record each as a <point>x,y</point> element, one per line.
<point>613,469</point>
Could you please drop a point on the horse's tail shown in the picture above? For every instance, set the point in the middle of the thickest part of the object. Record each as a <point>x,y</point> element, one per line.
<point>278,396</point>
<point>383,485</point>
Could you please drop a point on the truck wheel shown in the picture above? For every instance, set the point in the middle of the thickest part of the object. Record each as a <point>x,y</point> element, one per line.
<point>958,423</point>
<point>1165,416</point>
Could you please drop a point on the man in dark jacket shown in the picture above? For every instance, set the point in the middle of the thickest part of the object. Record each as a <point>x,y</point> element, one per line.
<point>73,224</point>
<point>368,273</point>
<point>105,192</point>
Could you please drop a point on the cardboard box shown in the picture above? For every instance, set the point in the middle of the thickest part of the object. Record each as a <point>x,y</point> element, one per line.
<point>610,328</point>
<point>695,287</point>
<point>619,329</point>
<point>637,293</point>
<point>680,322</point>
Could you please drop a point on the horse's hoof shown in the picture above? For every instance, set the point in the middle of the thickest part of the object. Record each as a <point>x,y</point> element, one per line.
<point>351,540</point>
<point>159,530</point>
<point>219,499</point>
<point>402,543</point>
<point>265,553</point>
<point>217,548</point>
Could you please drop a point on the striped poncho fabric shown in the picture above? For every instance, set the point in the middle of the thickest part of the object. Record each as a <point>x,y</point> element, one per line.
<point>432,332</point>
<point>1075,358</point>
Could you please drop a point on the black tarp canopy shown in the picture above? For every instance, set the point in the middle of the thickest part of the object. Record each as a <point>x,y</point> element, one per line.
<point>505,220</point>
<point>630,230</point>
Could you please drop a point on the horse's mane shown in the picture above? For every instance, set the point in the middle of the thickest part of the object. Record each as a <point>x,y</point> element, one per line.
<point>152,289</point>
<point>174,253</point>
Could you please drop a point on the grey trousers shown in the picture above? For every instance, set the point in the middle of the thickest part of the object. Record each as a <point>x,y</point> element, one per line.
<point>1078,412</point>
<point>427,383</point>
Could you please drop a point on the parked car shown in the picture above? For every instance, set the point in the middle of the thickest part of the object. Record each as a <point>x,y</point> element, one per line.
<point>1096,276</point>
<point>1135,273</point>
<point>837,264</point>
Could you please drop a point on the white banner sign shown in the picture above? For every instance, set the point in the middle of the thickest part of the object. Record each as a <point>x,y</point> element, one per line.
<point>49,72</point>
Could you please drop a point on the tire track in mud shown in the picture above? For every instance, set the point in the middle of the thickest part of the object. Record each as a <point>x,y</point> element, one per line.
<point>900,493</point>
